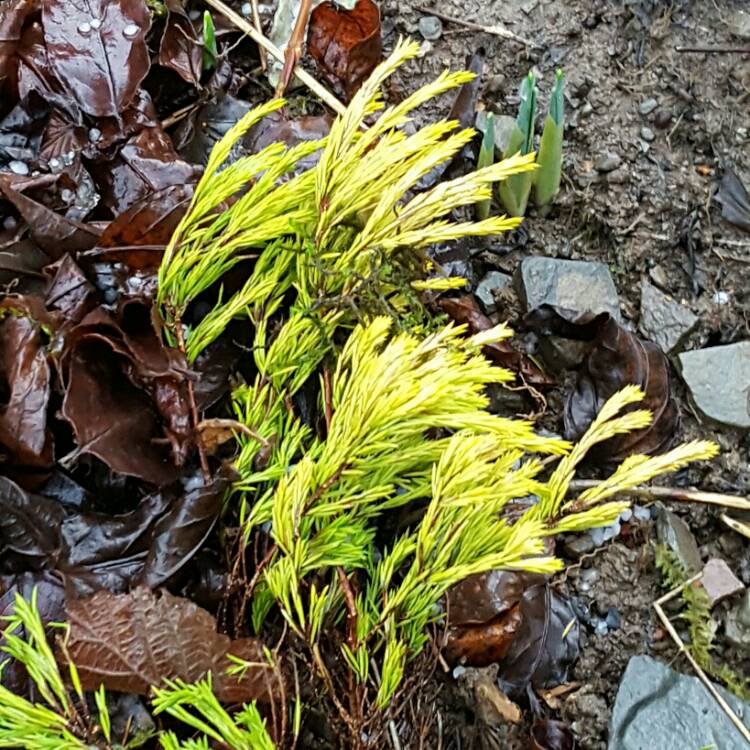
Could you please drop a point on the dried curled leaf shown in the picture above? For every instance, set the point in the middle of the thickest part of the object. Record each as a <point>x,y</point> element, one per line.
<point>346,44</point>
<point>617,358</point>
<point>129,642</point>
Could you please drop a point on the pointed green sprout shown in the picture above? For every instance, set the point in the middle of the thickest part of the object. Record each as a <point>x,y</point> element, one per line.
<point>514,192</point>
<point>210,50</point>
<point>549,158</point>
<point>486,158</point>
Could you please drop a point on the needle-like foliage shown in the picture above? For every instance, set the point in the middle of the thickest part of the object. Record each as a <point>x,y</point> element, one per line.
<point>332,302</point>
<point>61,720</point>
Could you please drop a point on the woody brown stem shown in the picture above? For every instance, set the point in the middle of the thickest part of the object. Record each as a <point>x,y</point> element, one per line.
<point>293,51</point>
<point>180,336</point>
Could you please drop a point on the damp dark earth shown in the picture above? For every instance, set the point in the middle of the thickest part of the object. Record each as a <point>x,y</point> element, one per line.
<point>349,403</point>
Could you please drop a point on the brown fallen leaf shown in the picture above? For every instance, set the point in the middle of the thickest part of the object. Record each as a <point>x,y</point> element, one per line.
<point>70,292</point>
<point>465,310</point>
<point>98,49</point>
<point>485,644</point>
<point>617,358</point>
<point>24,433</point>
<point>548,734</point>
<point>734,200</point>
<point>345,44</point>
<point>131,642</point>
<point>180,48</point>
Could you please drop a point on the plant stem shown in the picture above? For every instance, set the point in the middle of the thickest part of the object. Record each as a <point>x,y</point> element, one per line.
<point>180,336</point>
<point>293,51</point>
<point>690,495</point>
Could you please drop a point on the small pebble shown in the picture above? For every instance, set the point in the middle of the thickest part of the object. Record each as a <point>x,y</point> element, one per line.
<point>19,167</point>
<point>67,195</point>
<point>662,118</point>
<point>247,10</point>
<point>54,164</point>
<point>647,134</point>
<point>721,298</point>
<point>110,296</point>
<point>641,514</point>
<point>608,162</point>
<point>9,223</point>
<point>613,618</point>
<point>431,28</point>
<point>458,671</point>
<point>647,106</point>
<point>626,515</point>
<point>611,532</point>
<point>597,535</point>
<point>601,628</point>
<point>95,135</point>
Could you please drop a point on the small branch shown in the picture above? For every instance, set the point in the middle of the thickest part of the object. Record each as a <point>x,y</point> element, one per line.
<point>328,397</point>
<point>671,493</point>
<point>735,525</point>
<point>317,88</point>
<point>351,608</point>
<point>495,30</point>
<point>293,51</point>
<point>665,621</point>
<point>180,336</point>
<point>259,27</point>
<point>715,50</point>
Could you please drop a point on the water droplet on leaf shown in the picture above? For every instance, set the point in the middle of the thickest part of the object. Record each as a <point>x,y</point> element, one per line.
<point>19,167</point>
<point>96,23</point>
<point>84,28</point>
<point>130,31</point>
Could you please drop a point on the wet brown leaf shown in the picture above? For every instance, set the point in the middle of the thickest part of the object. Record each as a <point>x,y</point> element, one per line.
<point>98,48</point>
<point>13,15</point>
<point>29,526</point>
<point>485,644</point>
<point>548,734</point>
<point>23,417</point>
<point>182,531</point>
<point>146,164</point>
<point>119,378</point>
<point>734,200</point>
<point>617,358</point>
<point>130,642</point>
<point>465,310</point>
<point>54,234</point>
<point>70,292</point>
<point>345,44</point>
<point>137,237</point>
<point>180,48</point>
<point>545,645</point>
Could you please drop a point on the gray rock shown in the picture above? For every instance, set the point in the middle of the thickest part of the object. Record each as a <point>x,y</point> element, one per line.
<point>659,709</point>
<point>504,125</point>
<point>737,623</point>
<point>659,276</point>
<point>647,106</point>
<point>580,544</point>
<point>493,282</point>
<point>431,28</point>
<point>608,162</point>
<point>719,582</point>
<point>719,382</point>
<point>647,134</point>
<point>663,320</point>
<point>739,24</point>
<point>575,284</point>
<point>675,533</point>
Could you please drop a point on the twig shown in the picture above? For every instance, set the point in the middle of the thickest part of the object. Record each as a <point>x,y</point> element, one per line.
<point>175,117</point>
<point>671,493</point>
<point>293,51</point>
<point>495,30</point>
<point>735,525</point>
<point>259,27</point>
<point>263,41</point>
<point>717,50</point>
<point>328,395</point>
<point>351,608</point>
<point>180,336</point>
<point>665,621</point>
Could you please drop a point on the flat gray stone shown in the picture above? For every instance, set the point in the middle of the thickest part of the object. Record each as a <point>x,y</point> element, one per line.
<point>431,28</point>
<point>663,320</point>
<point>675,533</point>
<point>647,106</point>
<point>737,623</point>
<point>583,286</point>
<point>659,709</point>
<point>719,382</point>
<point>608,162</point>
<point>493,282</point>
<point>719,582</point>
